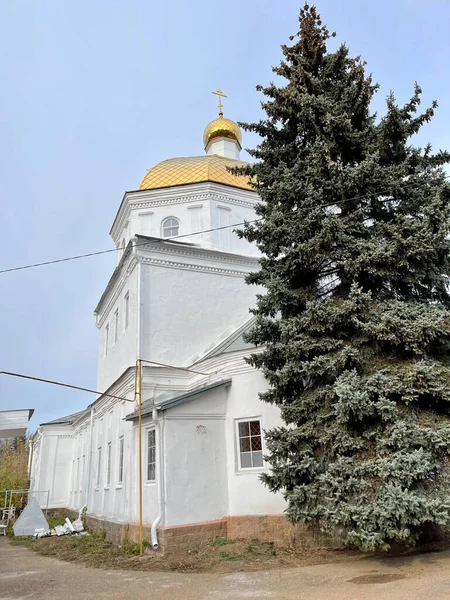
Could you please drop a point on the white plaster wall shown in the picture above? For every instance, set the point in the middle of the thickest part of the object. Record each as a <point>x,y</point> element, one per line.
<point>53,467</point>
<point>196,473</point>
<point>224,147</point>
<point>201,478</point>
<point>224,213</point>
<point>185,311</point>
<point>121,354</point>
<point>195,207</point>
<point>114,501</point>
<point>247,495</point>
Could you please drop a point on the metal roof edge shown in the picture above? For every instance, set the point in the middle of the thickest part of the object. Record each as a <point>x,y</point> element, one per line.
<point>176,400</point>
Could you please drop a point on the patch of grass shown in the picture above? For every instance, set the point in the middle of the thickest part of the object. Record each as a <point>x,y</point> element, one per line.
<point>53,521</point>
<point>89,548</point>
<point>225,555</point>
<point>262,549</point>
<point>218,541</point>
<point>221,541</point>
<point>135,549</point>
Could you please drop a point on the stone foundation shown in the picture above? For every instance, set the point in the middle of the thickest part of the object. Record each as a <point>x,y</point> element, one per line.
<point>277,529</point>
<point>188,537</point>
<point>264,528</point>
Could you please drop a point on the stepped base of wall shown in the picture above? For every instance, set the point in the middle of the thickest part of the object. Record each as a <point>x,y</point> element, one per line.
<point>264,528</point>
<point>280,531</point>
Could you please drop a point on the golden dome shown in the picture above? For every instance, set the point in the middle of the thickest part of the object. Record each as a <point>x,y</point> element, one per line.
<point>194,169</point>
<point>222,127</point>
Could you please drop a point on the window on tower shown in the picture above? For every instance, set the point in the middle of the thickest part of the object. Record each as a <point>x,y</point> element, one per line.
<point>170,227</point>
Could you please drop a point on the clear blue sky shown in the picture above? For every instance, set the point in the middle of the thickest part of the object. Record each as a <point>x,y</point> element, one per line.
<point>94,92</point>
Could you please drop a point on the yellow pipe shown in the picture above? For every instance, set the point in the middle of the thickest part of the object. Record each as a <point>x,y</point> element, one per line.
<point>139,377</point>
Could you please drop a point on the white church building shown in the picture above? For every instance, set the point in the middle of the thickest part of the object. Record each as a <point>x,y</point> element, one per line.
<point>176,297</point>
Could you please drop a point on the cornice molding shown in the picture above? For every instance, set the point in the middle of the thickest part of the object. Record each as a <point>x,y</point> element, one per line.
<point>190,200</point>
<point>196,417</point>
<point>199,253</point>
<point>113,290</point>
<point>180,195</point>
<point>169,264</point>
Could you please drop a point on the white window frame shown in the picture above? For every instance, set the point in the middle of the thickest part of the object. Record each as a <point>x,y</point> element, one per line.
<point>120,461</point>
<point>239,467</point>
<point>152,431</point>
<point>127,311</point>
<point>99,466</point>
<point>108,465</point>
<point>165,227</point>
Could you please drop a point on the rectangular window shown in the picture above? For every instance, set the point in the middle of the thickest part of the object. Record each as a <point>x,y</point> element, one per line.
<point>99,466</point>
<point>151,455</point>
<point>120,461</point>
<point>127,310</point>
<point>106,339</point>
<point>83,472</point>
<point>108,466</point>
<point>250,444</point>
<point>224,214</point>
<point>116,325</point>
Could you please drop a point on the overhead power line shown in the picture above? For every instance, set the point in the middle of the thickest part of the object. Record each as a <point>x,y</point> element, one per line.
<point>105,394</point>
<point>66,385</point>
<point>77,257</point>
<point>176,237</point>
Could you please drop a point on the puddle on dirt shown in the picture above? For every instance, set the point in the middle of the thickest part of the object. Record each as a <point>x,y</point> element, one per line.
<point>376,578</point>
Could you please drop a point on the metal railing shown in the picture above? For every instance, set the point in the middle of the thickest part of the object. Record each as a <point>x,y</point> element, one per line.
<point>9,507</point>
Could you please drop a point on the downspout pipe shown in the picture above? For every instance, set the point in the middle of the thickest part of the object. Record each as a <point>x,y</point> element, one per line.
<point>89,470</point>
<point>157,521</point>
<point>30,456</point>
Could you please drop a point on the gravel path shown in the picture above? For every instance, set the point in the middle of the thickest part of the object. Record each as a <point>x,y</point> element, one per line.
<point>25,574</point>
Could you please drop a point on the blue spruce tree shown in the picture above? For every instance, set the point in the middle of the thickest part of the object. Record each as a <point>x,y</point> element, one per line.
<point>354,322</point>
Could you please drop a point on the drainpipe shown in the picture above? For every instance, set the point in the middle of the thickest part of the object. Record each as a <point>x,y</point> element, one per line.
<point>30,457</point>
<point>88,482</point>
<point>160,482</point>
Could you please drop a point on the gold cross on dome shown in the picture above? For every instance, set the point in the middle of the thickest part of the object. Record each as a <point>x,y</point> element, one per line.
<point>220,105</point>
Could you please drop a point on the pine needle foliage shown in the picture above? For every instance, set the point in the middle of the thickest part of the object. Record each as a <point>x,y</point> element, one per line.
<point>353,324</point>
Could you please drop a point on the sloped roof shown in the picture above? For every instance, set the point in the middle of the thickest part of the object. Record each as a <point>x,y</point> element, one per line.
<point>232,343</point>
<point>14,423</point>
<point>148,405</point>
<point>68,420</point>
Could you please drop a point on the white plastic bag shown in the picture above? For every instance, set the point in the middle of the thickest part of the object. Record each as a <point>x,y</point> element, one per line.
<point>41,532</point>
<point>78,525</point>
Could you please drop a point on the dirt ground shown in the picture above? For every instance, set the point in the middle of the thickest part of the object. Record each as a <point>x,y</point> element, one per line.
<point>26,574</point>
<point>216,556</point>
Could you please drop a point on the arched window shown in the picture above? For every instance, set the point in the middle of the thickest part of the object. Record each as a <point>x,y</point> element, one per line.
<point>170,227</point>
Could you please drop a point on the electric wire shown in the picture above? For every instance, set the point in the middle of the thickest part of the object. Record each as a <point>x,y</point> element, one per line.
<point>176,237</point>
